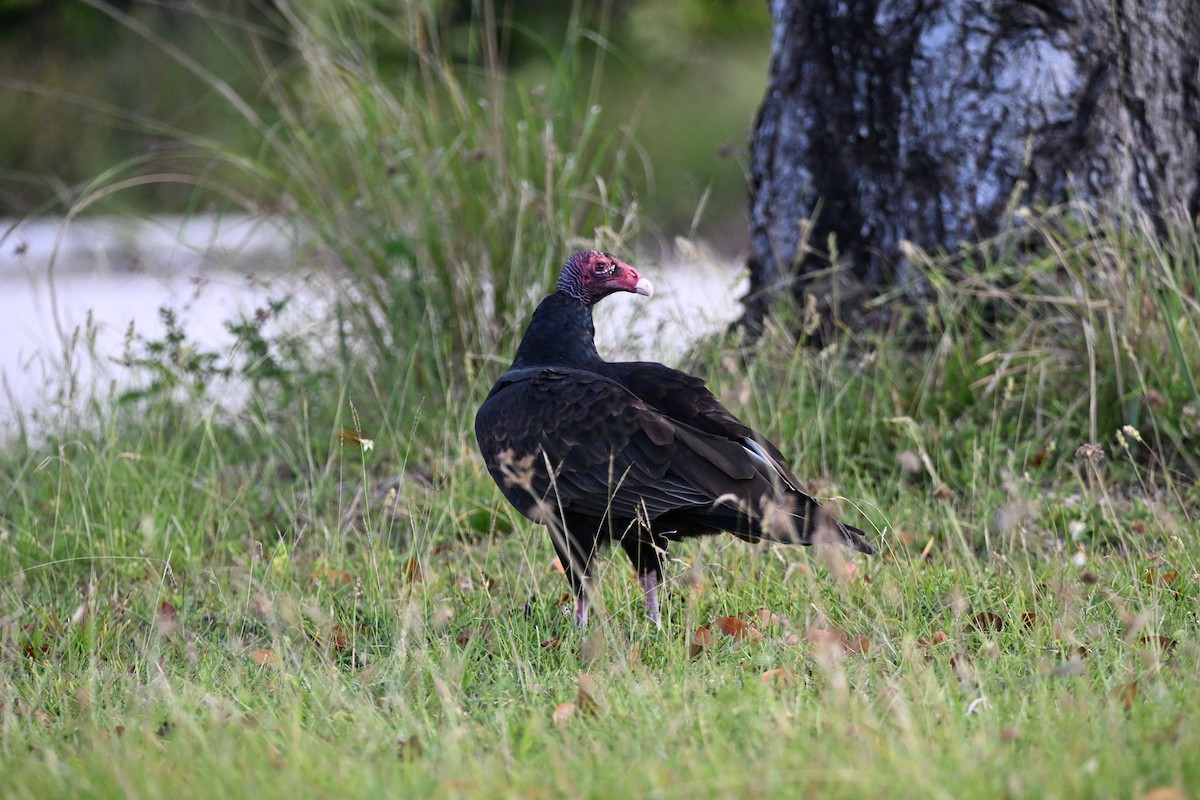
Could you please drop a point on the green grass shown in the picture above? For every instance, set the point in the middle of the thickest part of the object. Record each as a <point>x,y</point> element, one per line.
<point>195,608</point>
<point>198,600</point>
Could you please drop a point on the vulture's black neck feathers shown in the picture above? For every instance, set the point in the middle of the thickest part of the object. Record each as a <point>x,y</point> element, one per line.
<point>560,334</point>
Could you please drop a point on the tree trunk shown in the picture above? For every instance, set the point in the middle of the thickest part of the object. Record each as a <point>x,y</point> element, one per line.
<point>893,120</point>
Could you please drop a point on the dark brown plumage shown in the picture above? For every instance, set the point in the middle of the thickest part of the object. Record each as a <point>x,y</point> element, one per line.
<point>636,453</point>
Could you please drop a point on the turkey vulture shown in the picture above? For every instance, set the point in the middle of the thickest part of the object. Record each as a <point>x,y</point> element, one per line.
<point>636,453</point>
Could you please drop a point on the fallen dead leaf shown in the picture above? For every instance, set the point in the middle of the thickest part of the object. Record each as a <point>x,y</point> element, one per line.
<point>331,575</point>
<point>856,645</point>
<point>264,658</point>
<point>164,621</point>
<point>703,640</point>
<point>1166,578</point>
<point>1165,793</point>
<point>412,571</point>
<point>562,714</point>
<point>737,628</point>
<point>467,634</point>
<point>989,621</point>
<point>963,666</point>
<point>778,678</point>
<point>1127,694</point>
<point>767,618</point>
<point>409,748</point>
<point>1164,643</point>
<point>585,695</point>
<point>340,638</point>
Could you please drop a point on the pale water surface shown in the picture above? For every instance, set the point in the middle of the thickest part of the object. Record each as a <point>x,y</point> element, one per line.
<point>214,269</point>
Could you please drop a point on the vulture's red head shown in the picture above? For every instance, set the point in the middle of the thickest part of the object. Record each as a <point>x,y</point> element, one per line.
<point>590,276</point>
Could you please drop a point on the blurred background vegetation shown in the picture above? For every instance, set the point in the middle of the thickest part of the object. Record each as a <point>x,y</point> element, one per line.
<point>98,92</point>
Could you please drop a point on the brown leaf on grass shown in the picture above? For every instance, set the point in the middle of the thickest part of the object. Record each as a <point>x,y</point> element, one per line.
<point>737,628</point>
<point>1165,793</point>
<point>766,618</point>
<point>164,620</point>
<point>857,645</point>
<point>943,492</point>
<point>963,666</point>
<point>340,639</point>
<point>1167,578</point>
<point>834,642</point>
<point>264,658</point>
<point>778,678</point>
<point>325,574</point>
<point>1164,643</point>
<point>467,634</point>
<point>824,638</point>
<point>585,699</point>
<point>1127,694</point>
<point>412,571</point>
<point>562,714</point>
<point>989,621</point>
<point>409,748</point>
<point>939,637</point>
<point>703,640</point>
<point>1028,619</point>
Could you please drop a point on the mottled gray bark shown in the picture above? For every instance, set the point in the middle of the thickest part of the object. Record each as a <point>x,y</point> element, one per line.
<point>892,120</point>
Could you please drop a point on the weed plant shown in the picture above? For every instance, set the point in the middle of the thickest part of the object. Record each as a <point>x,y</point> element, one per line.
<point>336,600</point>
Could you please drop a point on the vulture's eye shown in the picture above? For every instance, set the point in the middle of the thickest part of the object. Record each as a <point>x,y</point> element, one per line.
<point>602,267</point>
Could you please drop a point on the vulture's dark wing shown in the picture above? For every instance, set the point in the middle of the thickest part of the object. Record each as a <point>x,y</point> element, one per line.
<point>684,398</point>
<point>608,451</point>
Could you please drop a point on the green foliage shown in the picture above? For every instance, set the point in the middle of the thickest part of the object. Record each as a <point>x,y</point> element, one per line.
<point>318,590</point>
<point>298,604</point>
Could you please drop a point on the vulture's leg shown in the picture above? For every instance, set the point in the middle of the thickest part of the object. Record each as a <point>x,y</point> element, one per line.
<point>646,555</point>
<point>575,554</point>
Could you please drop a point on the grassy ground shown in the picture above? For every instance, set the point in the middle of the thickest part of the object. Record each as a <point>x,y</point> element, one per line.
<point>198,604</point>
<point>197,601</point>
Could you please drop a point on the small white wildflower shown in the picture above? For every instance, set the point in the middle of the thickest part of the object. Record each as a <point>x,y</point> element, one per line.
<point>1079,559</point>
<point>366,444</point>
<point>1076,528</point>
